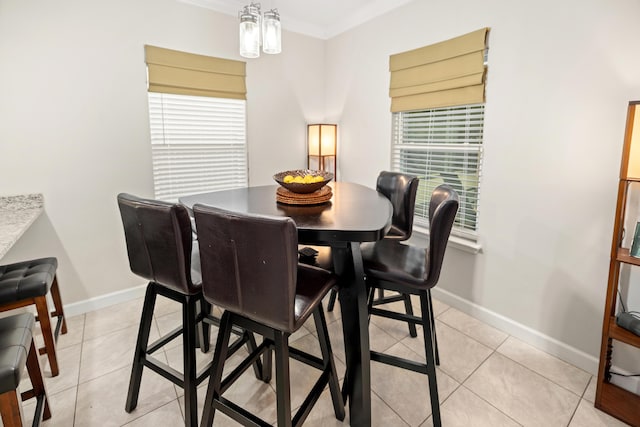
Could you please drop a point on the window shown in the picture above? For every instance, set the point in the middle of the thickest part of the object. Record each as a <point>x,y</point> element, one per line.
<point>442,146</point>
<point>197,115</point>
<point>437,103</point>
<point>198,144</point>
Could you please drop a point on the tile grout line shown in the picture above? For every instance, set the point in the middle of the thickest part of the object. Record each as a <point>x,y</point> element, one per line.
<point>75,404</point>
<point>495,350</point>
<point>462,384</point>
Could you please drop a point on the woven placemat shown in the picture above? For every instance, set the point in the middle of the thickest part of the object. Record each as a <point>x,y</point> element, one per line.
<point>290,198</point>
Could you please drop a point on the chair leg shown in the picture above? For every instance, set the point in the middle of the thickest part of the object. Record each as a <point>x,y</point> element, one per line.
<point>203,328</point>
<point>190,308</point>
<point>57,304</point>
<point>42,309</point>
<point>11,409</point>
<point>215,377</point>
<point>332,300</point>
<point>141,348</point>
<point>409,310</point>
<point>259,369</point>
<point>433,328</point>
<point>283,384</point>
<point>37,382</point>
<point>329,363</point>
<point>267,365</point>
<point>431,366</point>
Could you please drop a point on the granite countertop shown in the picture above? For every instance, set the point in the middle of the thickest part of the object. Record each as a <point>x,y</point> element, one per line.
<point>17,213</point>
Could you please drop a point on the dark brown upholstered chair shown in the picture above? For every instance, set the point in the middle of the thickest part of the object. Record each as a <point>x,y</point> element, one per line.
<point>401,191</point>
<point>17,350</point>
<point>159,244</point>
<point>414,271</point>
<point>250,269</point>
<point>28,282</point>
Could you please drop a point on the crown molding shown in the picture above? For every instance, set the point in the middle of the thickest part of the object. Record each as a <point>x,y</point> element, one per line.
<point>369,11</point>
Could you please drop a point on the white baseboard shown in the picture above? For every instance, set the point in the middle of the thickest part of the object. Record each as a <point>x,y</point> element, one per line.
<point>535,338</point>
<point>103,301</point>
<point>544,342</point>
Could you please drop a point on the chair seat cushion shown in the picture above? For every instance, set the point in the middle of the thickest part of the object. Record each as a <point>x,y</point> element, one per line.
<point>312,285</point>
<point>15,341</point>
<point>27,279</point>
<point>395,262</point>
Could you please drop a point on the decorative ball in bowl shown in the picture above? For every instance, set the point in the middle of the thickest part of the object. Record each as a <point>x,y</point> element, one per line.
<point>303,180</point>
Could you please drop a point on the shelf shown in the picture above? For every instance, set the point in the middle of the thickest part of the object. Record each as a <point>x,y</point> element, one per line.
<point>610,398</point>
<point>621,334</point>
<point>623,256</point>
<point>620,403</point>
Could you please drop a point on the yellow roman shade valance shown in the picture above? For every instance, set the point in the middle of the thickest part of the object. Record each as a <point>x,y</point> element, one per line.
<point>444,74</point>
<point>182,73</point>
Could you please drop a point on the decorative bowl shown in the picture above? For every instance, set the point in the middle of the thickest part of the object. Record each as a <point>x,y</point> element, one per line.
<point>296,187</point>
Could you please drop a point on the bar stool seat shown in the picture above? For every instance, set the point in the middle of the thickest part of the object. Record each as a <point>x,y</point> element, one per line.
<point>28,282</point>
<point>16,351</point>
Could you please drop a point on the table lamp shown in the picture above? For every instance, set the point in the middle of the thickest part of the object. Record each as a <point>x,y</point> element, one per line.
<point>322,147</point>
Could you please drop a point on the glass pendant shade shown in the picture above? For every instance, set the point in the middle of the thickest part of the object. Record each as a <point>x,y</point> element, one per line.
<point>271,32</point>
<point>258,30</point>
<point>249,36</point>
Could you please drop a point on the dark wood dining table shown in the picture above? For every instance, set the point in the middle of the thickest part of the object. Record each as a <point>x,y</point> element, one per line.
<point>355,214</point>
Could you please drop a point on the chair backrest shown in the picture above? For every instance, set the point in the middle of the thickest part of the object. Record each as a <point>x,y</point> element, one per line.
<point>401,191</point>
<point>442,212</point>
<point>249,264</point>
<point>159,242</point>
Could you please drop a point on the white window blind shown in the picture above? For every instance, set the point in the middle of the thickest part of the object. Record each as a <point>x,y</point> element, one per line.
<point>198,144</point>
<point>442,146</point>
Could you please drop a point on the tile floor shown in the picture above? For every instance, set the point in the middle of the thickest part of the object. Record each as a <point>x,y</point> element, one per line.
<point>486,377</point>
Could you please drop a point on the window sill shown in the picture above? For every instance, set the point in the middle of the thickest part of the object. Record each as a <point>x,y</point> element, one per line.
<point>460,243</point>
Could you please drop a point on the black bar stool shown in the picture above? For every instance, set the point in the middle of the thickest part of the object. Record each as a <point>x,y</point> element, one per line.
<point>411,270</point>
<point>161,249</point>
<point>250,268</point>
<point>159,244</point>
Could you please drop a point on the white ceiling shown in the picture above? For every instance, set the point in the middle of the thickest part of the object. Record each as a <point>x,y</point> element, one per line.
<point>317,18</point>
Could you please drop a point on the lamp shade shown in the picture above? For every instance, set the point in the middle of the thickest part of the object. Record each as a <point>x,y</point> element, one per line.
<point>631,159</point>
<point>322,140</point>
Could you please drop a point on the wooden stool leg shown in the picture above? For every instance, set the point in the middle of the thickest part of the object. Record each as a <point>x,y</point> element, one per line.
<point>47,333</point>
<point>57,303</point>
<point>11,409</point>
<point>35,375</point>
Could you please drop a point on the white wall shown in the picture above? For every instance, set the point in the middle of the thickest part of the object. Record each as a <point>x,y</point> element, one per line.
<point>560,77</point>
<point>73,125</point>
<point>74,118</point>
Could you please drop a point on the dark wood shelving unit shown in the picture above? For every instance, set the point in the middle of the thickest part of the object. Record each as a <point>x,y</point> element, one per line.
<point>610,398</point>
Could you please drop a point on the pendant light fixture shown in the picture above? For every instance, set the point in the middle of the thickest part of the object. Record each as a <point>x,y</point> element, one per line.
<point>257,30</point>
